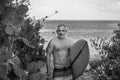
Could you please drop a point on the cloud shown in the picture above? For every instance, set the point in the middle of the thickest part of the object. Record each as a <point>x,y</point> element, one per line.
<point>107,4</point>
<point>104,4</point>
<point>77,9</point>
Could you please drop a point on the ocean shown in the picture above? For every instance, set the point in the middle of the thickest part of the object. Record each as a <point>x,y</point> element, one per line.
<point>81,29</point>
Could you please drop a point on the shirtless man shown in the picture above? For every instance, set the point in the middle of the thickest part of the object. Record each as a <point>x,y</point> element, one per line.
<point>59,47</point>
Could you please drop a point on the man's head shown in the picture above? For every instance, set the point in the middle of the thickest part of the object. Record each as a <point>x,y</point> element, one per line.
<point>61,31</point>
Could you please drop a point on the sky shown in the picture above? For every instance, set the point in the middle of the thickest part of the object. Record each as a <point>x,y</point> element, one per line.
<point>76,9</point>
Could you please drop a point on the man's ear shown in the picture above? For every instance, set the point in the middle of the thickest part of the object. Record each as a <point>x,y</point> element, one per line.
<point>57,31</point>
<point>66,30</point>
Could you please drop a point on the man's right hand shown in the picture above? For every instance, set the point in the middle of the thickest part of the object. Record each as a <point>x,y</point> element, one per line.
<point>49,76</point>
<point>49,73</point>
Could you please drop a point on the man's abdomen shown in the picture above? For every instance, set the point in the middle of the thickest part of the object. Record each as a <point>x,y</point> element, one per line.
<point>61,59</point>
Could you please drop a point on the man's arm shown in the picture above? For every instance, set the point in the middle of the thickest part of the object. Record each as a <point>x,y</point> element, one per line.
<point>49,52</point>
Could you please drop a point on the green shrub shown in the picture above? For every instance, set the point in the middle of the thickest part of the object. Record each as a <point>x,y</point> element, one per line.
<point>107,66</point>
<point>20,41</point>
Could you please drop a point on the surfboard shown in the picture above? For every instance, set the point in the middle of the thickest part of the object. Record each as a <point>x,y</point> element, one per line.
<point>79,56</point>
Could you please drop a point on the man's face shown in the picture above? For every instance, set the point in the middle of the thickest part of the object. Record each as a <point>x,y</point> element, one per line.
<point>61,31</point>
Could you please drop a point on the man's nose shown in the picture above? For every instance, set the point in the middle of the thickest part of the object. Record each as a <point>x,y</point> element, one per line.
<point>61,31</point>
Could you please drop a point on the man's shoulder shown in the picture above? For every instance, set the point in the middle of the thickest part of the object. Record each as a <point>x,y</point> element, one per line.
<point>53,40</point>
<point>69,39</point>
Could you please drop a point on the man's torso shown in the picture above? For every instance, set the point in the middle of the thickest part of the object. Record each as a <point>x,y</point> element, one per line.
<point>61,50</point>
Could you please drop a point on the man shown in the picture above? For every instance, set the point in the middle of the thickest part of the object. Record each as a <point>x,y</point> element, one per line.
<point>59,47</point>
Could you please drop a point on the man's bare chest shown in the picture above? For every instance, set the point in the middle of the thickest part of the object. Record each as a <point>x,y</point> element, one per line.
<point>62,46</point>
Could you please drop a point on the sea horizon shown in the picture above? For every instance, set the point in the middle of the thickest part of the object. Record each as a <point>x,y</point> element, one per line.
<point>94,24</point>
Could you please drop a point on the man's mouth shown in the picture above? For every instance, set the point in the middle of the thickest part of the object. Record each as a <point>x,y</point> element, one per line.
<point>61,34</point>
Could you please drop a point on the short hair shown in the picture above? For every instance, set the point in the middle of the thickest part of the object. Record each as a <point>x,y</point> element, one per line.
<point>61,25</point>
